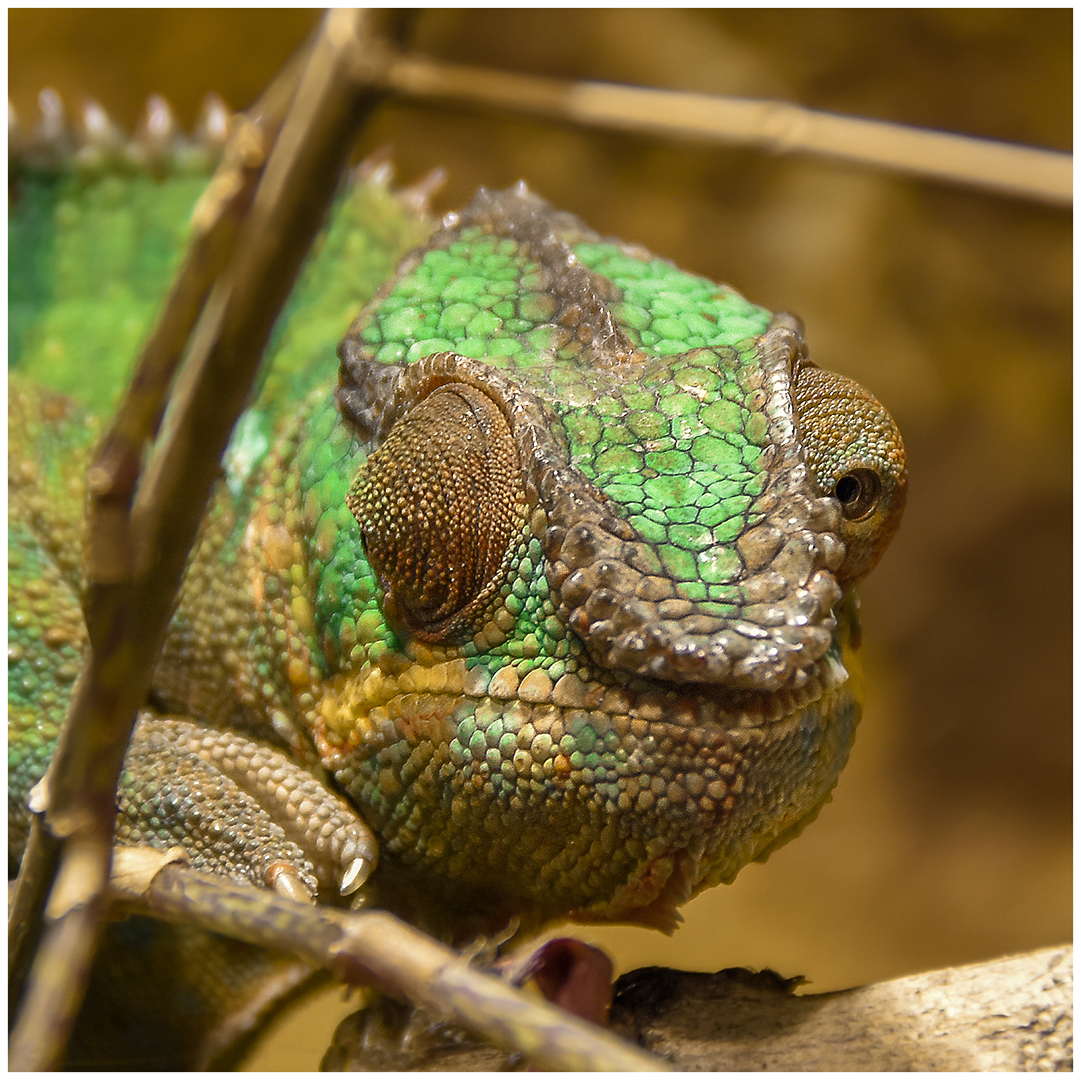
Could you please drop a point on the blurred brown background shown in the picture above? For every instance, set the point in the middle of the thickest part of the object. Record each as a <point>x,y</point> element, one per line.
<point>949,838</point>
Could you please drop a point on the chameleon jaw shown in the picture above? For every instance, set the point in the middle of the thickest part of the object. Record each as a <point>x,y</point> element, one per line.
<point>624,800</point>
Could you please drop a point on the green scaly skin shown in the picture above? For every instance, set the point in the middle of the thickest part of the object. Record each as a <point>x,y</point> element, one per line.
<point>92,252</point>
<point>553,596</point>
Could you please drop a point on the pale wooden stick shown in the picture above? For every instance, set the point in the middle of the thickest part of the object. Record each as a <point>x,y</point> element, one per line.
<point>779,127</point>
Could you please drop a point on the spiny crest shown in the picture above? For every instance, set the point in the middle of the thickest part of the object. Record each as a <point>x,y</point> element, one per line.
<point>95,142</point>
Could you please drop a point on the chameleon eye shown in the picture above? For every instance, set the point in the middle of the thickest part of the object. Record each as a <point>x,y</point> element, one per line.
<point>858,492</point>
<point>440,506</point>
<point>855,453</point>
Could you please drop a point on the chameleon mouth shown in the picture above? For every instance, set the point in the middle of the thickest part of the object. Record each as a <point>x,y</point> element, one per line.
<point>634,802</point>
<point>693,707</point>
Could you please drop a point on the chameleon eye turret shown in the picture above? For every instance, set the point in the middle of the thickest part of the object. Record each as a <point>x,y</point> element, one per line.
<point>856,454</point>
<point>441,507</point>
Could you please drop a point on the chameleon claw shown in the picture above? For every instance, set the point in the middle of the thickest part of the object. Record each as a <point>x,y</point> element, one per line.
<point>286,881</point>
<point>356,873</point>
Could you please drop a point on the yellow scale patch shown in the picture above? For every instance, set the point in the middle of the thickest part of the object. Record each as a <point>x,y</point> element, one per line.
<point>419,700</point>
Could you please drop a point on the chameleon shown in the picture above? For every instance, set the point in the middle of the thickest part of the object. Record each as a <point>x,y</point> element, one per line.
<point>546,610</point>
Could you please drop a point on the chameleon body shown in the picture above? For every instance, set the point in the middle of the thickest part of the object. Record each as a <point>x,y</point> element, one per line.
<point>547,611</point>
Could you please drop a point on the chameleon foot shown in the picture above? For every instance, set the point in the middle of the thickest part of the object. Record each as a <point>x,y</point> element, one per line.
<point>241,808</point>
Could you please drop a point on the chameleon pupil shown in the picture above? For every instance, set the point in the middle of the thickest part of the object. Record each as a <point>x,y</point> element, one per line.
<point>858,493</point>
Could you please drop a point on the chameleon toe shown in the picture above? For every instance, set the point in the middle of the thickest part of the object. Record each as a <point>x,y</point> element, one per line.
<point>356,874</point>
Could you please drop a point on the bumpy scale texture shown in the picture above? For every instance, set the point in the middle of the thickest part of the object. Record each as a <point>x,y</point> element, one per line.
<point>555,591</point>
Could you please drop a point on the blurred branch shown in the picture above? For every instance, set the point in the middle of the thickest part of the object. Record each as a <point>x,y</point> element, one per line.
<point>774,126</point>
<point>1012,1014</point>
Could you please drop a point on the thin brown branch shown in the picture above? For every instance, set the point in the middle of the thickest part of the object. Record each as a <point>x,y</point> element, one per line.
<point>777,127</point>
<point>131,594</point>
<point>78,791</point>
<point>374,948</point>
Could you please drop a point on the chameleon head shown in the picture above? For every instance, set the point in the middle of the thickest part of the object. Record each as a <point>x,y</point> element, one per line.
<point>627,560</point>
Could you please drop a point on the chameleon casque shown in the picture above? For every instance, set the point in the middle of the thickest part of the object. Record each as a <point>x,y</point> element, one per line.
<point>546,611</point>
